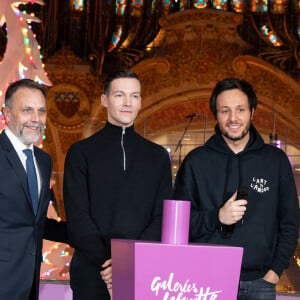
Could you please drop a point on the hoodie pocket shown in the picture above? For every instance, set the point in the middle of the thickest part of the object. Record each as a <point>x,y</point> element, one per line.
<point>257,253</point>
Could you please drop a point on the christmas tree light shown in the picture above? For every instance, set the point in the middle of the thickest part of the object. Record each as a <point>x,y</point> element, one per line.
<point>22,58</point>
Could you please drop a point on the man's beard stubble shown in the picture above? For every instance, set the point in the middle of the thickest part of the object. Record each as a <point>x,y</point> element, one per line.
<point>237,138</point>
<point>27,140</point>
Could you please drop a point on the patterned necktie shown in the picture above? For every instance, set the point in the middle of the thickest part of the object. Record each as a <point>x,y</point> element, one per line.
<point>32,180</point>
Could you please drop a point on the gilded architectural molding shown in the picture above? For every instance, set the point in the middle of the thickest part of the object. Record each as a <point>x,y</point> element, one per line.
<point>201,48</point>
<point>276,90</point>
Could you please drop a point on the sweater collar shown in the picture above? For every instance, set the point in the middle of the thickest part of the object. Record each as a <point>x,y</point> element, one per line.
<point>117,130</point>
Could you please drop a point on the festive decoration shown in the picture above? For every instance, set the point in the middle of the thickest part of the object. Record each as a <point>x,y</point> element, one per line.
<point>22,58</point>
<point>297,256</point>
<point>56,256</point>
<point>56,261</point>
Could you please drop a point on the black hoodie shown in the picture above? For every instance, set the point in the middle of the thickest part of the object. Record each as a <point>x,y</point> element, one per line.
<point>209,176</point>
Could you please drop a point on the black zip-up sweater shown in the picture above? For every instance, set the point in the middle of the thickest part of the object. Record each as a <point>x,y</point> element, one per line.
<point>114,185</point>
<point>208,177</point>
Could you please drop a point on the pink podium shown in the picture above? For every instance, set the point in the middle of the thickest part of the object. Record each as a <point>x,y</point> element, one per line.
<point>172,270</point>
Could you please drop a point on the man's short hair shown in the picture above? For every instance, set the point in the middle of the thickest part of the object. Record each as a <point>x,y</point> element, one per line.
<point>22,83</point>
<point>119,74</point>
<point>231,84</point>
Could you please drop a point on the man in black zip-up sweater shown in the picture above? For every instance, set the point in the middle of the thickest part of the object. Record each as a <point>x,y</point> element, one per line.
<point>242,192</point>
<point>114,185</point>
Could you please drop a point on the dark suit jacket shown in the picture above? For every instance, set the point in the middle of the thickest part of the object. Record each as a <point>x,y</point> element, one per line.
<point>21,232</point>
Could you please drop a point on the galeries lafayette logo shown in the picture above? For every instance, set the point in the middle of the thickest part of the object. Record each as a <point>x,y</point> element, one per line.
<point>171,289</point>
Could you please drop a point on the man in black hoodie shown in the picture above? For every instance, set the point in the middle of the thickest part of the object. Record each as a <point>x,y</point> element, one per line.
<point>114,185</point>
<point>242,192</point>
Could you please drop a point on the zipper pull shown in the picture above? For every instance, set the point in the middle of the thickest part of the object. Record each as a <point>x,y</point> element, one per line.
<point>122,145</point>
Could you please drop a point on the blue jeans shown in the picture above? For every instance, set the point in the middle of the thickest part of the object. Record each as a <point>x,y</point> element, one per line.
<point>256,290</point>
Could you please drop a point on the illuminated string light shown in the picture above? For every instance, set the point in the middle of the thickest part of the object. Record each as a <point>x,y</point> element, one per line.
<point>18,26</point>
<point>56,259</point>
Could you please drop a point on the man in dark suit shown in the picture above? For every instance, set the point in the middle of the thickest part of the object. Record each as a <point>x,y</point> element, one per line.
<point>22,215</point>
<point>114,185</point>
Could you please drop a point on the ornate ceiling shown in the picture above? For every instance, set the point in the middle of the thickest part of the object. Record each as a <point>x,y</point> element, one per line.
<point>120,33</point>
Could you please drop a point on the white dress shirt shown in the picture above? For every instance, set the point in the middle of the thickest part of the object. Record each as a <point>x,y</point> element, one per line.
<point>19,147</point>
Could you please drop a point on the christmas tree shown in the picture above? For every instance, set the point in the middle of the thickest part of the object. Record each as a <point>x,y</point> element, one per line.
<point>22,58</point>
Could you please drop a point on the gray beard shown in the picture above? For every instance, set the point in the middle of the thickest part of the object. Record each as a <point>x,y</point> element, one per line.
<point>23,137</point>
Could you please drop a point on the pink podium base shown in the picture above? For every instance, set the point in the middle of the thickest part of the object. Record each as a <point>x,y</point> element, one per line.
<point>144,270</point>
<point>62,291</point>
<point>55,291</point>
